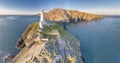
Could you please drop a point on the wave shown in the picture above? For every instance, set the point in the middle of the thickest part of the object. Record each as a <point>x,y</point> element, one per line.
<point>11,17</point>
<point>8,58</point>
<point>7,18</point>
<point>1,19</point>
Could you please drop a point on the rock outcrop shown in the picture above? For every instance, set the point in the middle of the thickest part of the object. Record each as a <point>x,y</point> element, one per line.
<point>61,47</point>
<point>70,15</point>
<point>27,35</point>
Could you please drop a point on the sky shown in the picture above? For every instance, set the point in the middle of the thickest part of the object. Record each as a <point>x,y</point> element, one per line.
<point>107,7</point>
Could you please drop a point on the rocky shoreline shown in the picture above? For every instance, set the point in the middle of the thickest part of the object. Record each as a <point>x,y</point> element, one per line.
<point>62,49</point>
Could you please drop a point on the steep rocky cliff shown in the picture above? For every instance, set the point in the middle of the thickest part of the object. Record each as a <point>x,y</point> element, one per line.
<point>61,46</point>
<point>70,15</point>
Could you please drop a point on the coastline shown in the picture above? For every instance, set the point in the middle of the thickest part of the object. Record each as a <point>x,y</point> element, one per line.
<point>70,55</point>
<point>31,39</point>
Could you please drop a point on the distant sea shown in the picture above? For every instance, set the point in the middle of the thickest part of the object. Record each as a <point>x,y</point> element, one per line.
<point>11,28</point>
<point>100,40</point>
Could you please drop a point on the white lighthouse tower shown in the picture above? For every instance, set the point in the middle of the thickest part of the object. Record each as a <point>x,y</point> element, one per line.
<point>42,22</point>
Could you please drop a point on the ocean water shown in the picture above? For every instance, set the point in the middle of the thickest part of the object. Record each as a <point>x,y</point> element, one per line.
<point>11,28</point>
<point>100,40</point>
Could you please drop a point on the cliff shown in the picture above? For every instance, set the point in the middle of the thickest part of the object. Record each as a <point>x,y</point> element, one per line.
<point>70,15</point>
<point>52,45</point>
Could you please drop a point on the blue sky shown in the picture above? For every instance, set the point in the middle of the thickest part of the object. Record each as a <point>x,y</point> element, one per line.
<point>34,6</point>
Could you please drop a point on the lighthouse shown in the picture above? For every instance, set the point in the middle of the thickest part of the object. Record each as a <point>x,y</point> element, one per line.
<point>41,22</point>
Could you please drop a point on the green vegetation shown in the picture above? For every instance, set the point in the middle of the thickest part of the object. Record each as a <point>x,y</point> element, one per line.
<point>48,29</point>
<point>45,35</point>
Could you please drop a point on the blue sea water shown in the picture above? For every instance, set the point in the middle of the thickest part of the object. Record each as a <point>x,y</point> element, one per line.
<point>11,28</point>
<point>99,40</point>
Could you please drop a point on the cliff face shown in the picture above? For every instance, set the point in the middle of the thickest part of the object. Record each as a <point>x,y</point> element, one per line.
<point>61,46</point>
<point>27,35</point>
<point>70,15</point>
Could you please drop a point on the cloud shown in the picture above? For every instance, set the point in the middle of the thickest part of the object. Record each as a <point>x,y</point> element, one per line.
<point>103,11</point>
<point>6,11</point>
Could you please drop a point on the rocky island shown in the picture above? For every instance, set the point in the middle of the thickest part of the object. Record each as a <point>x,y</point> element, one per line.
<point>52,43</point>
<point>66,15</point>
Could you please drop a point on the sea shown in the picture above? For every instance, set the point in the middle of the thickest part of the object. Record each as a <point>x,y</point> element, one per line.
<point>99,40</point>
<point>11,28</point>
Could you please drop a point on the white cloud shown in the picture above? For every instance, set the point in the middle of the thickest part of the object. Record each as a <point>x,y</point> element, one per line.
<point>104,11</point>
<point>5,11</point>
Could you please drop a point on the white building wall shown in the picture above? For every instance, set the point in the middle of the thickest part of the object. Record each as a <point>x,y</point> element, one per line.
<point>42,16</point>
<point>41,23</point>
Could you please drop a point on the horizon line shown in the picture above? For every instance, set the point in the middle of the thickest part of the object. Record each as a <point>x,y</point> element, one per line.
<point>5,11</point>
